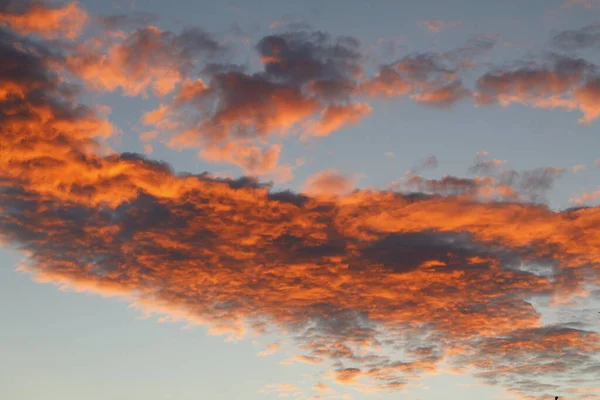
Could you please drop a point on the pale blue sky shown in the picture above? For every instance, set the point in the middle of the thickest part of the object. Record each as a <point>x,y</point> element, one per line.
<point>60,345</point>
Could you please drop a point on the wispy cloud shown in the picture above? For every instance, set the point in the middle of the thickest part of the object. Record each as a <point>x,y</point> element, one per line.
<point>586,198</point>
<point>584,3</point>
<point>437,26</point>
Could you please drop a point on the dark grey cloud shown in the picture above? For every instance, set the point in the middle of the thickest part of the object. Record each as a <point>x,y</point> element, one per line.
<point>577,39</point>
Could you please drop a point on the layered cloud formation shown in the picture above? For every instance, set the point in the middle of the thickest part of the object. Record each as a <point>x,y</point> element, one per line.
<point>309,84</point>
<point>379,287</point>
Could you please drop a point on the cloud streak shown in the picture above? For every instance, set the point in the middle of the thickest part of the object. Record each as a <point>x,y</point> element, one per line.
<point>437,26</point>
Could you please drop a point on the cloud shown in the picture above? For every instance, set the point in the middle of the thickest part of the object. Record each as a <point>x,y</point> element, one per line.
<point>47,134</point>
<point>585,197</point>
<point>321,387</point>
<point>495,183</point>
<point>310,84</point>
<point>567,83</point>
<point>347,376</point>
<point>328,182</point>
<point>306,86</point>
<point>383,286</point>
<point>463,57</point>
<point>423,76</point>
<point>443,97</point>
<point>483,165</point>
<point>352,275</point>
<point>578,167</point>
<point>306,359</point>
<point>575,39</point>
<point>254,160</point>
<point>270,349</point>
<point>557,349</point>
<point>437,26</point>
<point>299,57</point>
<point>145,58</point>
<point>336,116</point>
<point>588,100</point>
<point>428,163</point>
<point>282,389</point>
<point>54,20</point>
<point>429,78</point>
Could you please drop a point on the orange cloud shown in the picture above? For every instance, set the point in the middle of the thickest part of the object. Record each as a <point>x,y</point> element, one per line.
<point>424,77</point>
<point>306,359</point>
<point>441,274</point>
<point>32,17</point>
<point>146,58</point>
<point>329,182</point>
<point>588,99</point>
<point>336,116</point>
<point>568,83</point>
<point>578,167</point>
<point>304,88</point>
<point>189,90</point>
<point>321,387</point>
<point>347,376</point>
<point>270,349</point>
<point>445,96</point>
<point>254,160</point>
<point>585,197</point>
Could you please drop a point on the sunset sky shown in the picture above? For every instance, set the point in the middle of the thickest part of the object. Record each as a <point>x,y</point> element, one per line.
<point>385,199</point>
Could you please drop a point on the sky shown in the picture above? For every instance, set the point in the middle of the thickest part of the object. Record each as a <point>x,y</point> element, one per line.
<point>299,199</point>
